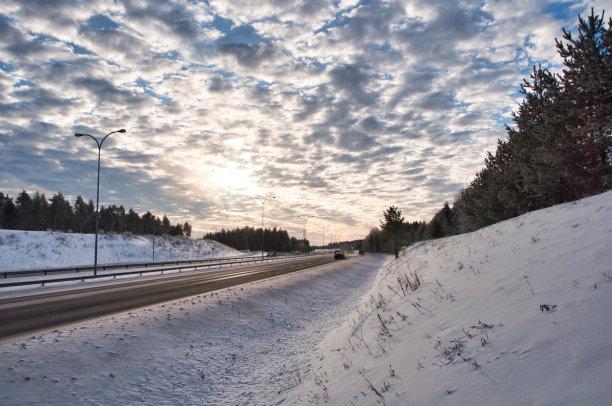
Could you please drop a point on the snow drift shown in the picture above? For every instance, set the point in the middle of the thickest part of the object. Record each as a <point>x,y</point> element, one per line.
<point>514,314</point>
<point>41,249</point>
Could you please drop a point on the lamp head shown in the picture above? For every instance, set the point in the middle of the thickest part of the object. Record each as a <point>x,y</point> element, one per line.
<point>79,134</point>
<point>121,131</point>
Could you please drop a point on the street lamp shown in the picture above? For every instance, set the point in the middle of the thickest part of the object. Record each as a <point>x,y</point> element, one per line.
<point>99,143</point>
<point>262,224</point>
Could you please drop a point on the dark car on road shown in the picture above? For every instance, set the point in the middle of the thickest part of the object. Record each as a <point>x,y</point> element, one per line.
<point>338,254</point>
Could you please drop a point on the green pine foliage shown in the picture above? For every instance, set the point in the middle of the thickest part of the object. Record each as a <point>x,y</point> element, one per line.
<point>250,238</point>
<point>39,214</point>
<point>392,228</point>
<point>558,149</point>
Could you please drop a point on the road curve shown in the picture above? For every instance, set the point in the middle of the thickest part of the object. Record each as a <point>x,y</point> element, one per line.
<point>31,313</point>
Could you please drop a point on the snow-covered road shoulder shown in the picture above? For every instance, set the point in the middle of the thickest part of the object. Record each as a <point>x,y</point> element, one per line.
<point>517,313</point>
<point>244,345</point>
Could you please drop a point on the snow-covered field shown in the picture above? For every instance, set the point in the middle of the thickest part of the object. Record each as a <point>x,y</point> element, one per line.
<point>514,314</point>
<point>40,249</point>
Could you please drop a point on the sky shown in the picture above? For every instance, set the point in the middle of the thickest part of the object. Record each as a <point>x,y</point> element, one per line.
<point>328,112</point>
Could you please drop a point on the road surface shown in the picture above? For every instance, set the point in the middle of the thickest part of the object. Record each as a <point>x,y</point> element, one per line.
<point>31,313</point>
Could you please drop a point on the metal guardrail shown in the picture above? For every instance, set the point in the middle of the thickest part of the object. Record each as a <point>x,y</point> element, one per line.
<point>127,265</point>
<point>161,267</point>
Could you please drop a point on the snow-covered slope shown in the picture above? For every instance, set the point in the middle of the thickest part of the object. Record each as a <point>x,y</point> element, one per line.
<point>518,313</point>
<point>41,249</point>
<point>514,314</point>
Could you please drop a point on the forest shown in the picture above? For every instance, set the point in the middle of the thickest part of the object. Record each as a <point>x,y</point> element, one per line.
<point>250,238</point>
<point>559,148</point>
<point>36,213</point>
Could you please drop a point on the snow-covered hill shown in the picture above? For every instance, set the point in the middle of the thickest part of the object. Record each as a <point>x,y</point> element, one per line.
<point>518,313</point>
<point>41,249</point>
<point>514,314</point>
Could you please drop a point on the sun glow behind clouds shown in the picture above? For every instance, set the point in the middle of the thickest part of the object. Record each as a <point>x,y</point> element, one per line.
<point>224,101</point>
<point>232,178</point>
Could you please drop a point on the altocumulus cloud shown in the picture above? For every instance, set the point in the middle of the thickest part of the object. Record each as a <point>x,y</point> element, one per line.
<point>338,108</point>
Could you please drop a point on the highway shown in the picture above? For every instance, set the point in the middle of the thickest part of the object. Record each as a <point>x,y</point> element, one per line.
<point>35,312</point>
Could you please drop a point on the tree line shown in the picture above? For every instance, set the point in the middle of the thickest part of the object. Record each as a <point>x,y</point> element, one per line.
<point>249,238</point>
<point>36,213</point>
<point>559,149</point>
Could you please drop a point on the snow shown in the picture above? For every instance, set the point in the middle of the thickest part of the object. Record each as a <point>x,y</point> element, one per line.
<point>243,345</point>
<point>475,331</point>
<point>40,249</point>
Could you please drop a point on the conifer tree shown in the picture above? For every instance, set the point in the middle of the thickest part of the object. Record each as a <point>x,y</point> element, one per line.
<point>587,82</point>
<point>24,210</point>
<point>391,227</point>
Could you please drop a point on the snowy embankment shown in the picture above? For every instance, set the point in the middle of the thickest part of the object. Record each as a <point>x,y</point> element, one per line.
<point>41,249</point>
<point>514,314</point>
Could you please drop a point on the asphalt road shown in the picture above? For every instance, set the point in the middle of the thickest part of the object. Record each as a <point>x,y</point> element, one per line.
<point>32,313</point>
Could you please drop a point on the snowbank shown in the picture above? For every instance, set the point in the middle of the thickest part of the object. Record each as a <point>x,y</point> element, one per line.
<point>41,249</point>
<point>514,314</point>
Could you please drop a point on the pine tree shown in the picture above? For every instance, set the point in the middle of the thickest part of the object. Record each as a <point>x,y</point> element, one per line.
<point>391,227</point>
<point>561,147</point>
<point>587,82</point>
<point>10,217</point>
<point>24,210</point>
<point>82,216</point>
<point>40,212</point>
<point>165,229</point>
<point>3,200</point>
<point>187,229</point>
<point>133,223</point>
<point>60,213</point>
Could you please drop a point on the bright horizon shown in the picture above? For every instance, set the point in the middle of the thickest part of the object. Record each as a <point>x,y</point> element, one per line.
<point>338,109</point>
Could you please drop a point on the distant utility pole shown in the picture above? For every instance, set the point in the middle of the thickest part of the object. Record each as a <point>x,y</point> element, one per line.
<point>304,236</point>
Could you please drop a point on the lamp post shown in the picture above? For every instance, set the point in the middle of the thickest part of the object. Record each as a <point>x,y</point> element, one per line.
<point>262,224</point>
<point>99,144</point>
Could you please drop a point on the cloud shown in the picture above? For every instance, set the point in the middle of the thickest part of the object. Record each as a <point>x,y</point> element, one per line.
<point>17,44</point>
<point>248,55</point>
<point>174,17</point>
<point>106,92</point>
<point>353,80</point>
<point>218,84</point>
<point>321,136</point>
<point>330,105</point>
<point>356,141</point>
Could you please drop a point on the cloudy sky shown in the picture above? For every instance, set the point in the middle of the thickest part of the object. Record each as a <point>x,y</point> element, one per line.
<point>337,108</point>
